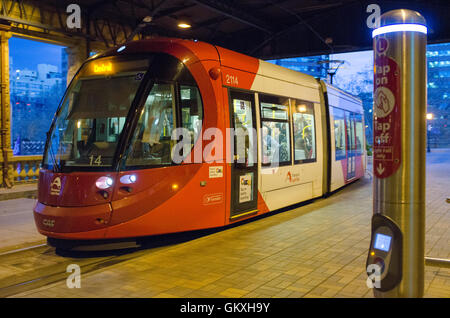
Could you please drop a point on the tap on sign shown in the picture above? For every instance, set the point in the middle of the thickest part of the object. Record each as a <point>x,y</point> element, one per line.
<point>382,71</point>
<point>387,121</point>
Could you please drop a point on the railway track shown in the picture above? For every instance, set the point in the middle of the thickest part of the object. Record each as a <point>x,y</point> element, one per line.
<point>43,265</point>
<point>13,251</point>
<point>33,267</point>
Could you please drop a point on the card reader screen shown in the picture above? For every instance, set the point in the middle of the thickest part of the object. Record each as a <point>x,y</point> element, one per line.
<point>382,242</point>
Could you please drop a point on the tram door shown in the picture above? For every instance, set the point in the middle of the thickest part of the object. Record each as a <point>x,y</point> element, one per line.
<point>351,145</point>
<point>244,172</point>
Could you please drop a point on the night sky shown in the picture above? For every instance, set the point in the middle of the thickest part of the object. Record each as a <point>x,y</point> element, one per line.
<point>29,53</point>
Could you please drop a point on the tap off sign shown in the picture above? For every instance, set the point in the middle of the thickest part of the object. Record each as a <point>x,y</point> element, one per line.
<point>387,121</point>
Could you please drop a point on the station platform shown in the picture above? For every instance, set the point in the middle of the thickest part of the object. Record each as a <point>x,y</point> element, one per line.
<point>17,228</point>
<point>19,191</point>
<point>316,250</point>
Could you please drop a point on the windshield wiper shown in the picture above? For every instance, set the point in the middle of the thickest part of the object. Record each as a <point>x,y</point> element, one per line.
<point>56,167</point>
<point>55,164</point>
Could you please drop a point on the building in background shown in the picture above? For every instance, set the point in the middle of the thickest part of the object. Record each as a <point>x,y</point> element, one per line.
<point>32,86</point>
<point>65,65</point>
<point>36,88</point>
<point>438,89</point>
<point>309,65</point>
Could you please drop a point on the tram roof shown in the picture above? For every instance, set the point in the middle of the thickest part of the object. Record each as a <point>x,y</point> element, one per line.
<point>264,29</point>
<point>192,51</point>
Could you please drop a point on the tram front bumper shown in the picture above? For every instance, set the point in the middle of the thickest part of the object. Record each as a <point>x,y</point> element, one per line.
<point>89,222</point>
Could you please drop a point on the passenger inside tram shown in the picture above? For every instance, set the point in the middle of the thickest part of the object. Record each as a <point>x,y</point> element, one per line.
<point>271,147</point>
<point>303,137</point>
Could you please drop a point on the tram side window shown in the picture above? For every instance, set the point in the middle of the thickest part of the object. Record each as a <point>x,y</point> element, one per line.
<point>350,122</point>
<point>359,133</point>
<point>191,111</point>
<point>304,131</point>
<point>152,144</point>
<point>276,144</point>
<point>339,133</point>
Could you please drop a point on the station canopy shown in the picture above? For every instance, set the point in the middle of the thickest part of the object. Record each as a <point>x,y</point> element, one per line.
<point>262,28</point>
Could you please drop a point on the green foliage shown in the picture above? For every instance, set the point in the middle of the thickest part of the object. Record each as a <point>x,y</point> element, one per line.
<point>368,149</point>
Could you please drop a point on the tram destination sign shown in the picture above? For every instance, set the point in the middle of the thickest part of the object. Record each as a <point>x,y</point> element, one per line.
<point>387,120</point>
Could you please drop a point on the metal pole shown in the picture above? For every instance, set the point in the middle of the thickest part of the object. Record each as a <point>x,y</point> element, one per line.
<point>399,153</point>
<point>437,262</point>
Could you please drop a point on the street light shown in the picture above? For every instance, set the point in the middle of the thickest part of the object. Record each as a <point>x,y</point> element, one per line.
<point>331,71</point>
<point>429,117</point>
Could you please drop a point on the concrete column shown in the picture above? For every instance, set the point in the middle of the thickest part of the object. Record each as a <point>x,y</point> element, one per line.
<point>76,55</point>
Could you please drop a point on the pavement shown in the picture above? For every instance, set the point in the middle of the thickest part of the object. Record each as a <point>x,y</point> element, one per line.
<point>17,228</point>
<point>27,190</point>
<point>316,250</point>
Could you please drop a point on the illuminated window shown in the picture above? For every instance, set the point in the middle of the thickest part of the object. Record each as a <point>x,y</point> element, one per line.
<point>152,144</point>
<point>87,136</point>
<point>276,144</point>
<point>303,131</point>
<point>339,133</point>
<point>191,110</point>
<point>359,133</point>
<point>350,126</point>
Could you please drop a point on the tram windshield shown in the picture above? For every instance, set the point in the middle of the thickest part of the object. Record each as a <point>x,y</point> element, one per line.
<point>93,113</point>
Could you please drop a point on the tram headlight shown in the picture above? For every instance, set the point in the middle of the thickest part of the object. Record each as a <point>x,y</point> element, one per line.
<point>104,182</point>
<point>128,179</point>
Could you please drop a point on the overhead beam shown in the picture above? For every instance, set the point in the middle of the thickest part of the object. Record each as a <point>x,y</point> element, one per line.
<point>156,11</point>
<point>234,13</point>
<point>171,11</point>
<point>49,22</point>
<point>98,5</point>
<point>273,36</point>
<point>209,22</point>
<point>302,21</point>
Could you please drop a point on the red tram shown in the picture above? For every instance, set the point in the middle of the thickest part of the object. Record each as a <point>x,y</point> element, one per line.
<point>109,172</point>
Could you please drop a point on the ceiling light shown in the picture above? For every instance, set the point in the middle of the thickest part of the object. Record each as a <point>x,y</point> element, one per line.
<point>184,25</point>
